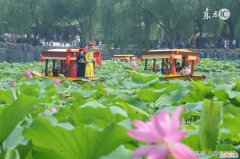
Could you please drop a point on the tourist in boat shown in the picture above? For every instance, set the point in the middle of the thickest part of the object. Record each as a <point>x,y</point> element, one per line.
<point>81,63</point>
<point>178,67</point>
<point>185,70</point>
<point>89,71</point>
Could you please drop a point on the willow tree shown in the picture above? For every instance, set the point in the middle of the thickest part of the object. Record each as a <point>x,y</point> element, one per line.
<point>107,18</point>
<point>125,23</point>
<point>171,15</point>
<point>14,17</point>
<point>128,30</point>
<point>88,9</point>
<point>46,14</point>
<point>80,14</point>
<point>233,7</point>
<point>118,22</point>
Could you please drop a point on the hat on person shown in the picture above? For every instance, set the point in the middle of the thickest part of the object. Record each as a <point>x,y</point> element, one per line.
<point>83,49</point>
<point>90,45</point>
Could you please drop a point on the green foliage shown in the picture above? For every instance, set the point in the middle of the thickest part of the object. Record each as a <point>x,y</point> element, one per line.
<point>230,122</point>
<point>198,92</point>
<point>210,122</point>
<point>11,154</point>
<point>120,153</point>
<point>92,119</point>
<point>86,142</point>
<point>214,65</point>
<point>5,97</point>
<point>143,77</point>
<point>91,113</point>
<point>11,115</point>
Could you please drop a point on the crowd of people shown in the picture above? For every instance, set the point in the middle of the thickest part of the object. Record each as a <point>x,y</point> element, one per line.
<point>182,68</point>
<point>65,40</point>
<point>24,38</point>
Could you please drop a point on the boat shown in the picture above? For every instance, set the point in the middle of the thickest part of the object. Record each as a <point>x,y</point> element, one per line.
<point>123,57</point>
<point>60,63</point>
<point>170,62</point>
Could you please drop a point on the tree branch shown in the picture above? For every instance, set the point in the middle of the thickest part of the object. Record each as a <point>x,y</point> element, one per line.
<point>157,20</point>
<point>93,11</point>
<point>34,16</point>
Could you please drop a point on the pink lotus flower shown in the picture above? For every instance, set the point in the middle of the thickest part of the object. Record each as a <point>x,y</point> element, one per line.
<point>163,135</point>
<point>133,64</point>
<point>46,111</point>
<point>28,73</point>
<point>53,110</point>
<point>57,80</point>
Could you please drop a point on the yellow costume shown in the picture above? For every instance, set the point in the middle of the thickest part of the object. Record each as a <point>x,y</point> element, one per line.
<point>89,71</point>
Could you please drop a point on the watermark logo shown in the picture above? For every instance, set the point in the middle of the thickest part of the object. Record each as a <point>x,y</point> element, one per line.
<point>222,14</point>
<point>217,154</point>
<point>206,15</point>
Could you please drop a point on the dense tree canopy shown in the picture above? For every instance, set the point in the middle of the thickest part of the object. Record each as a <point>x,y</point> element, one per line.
<point>122,23</point>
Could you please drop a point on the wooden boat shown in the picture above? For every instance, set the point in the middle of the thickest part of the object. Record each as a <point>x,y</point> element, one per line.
<point>59,62</point>
<point>170,61</point>
<point>123,57</point>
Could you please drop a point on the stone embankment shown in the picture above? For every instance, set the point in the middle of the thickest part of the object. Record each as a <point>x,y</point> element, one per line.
<point>12,52</point>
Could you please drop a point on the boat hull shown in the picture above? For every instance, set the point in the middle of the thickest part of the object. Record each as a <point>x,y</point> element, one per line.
<point>78,80</point>
<point>184,77</point>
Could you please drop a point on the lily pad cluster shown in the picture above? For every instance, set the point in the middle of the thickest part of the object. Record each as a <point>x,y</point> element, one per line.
<point>216,65</point>
<point>91,120</point>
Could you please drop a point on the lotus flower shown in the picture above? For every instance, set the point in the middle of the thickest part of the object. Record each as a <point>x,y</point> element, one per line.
<point>28,73</point>
<point>133,64</point>
<point>46,111</point>
<point>163,135</point>
<point>53,110</point>
<point>57,80</point>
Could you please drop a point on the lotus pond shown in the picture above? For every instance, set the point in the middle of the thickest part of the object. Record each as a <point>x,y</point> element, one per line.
<point>130,115</point>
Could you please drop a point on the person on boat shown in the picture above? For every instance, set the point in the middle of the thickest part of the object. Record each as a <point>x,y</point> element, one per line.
<point>72,69</point>
<point>81,63</point>
<point>64,69</point>
<point>185,70</point>
<point>89,71</point>
<point>178,67</point>
<point>163,68</point>
<point>56,68</point>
